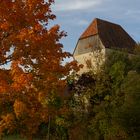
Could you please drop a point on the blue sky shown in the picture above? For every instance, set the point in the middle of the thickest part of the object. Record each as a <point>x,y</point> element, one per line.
<point>74,16</point>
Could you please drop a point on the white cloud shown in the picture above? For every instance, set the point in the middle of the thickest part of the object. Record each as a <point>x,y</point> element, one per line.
<point>132,12</point>
<point>76,22</point>
<point>70,5</point>
<point>83,22</point>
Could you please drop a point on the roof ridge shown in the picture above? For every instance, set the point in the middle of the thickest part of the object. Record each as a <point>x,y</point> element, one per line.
<point>106,21</point>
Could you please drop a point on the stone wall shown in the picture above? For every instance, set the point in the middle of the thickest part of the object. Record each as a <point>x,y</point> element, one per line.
<point>91,53</point>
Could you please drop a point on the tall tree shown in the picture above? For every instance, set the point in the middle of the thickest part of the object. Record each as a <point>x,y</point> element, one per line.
<point>32,89</point>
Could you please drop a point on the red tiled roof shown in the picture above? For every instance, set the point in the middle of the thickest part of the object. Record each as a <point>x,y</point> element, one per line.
<point>91,30</point>
<point>111,35</point>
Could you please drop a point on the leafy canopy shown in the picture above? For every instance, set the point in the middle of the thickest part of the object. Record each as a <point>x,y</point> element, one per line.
<point>34,85</point>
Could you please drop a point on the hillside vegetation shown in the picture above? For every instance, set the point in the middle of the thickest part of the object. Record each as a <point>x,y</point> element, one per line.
<point>106,105</point>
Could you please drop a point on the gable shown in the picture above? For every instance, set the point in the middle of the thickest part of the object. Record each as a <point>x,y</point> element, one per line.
<point>87,45</point>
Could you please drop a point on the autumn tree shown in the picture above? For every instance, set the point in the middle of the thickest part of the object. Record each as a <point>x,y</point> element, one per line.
<point>32,89</point>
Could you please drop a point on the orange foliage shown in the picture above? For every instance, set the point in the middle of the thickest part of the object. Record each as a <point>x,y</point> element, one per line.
<point>34,80</point>
<point>7,123</point>
<point>19,108</point>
